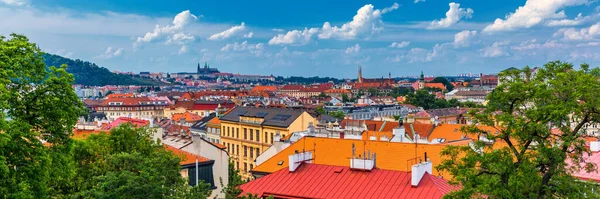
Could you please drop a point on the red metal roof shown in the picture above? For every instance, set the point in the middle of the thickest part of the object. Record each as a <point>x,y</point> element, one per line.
<point>136,122</point>
<point>325,181</point>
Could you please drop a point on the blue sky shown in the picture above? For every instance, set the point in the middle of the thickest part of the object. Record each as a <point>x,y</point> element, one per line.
<point>309,38</point>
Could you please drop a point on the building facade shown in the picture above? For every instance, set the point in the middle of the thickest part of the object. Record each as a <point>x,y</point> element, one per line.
<point>249,131</point>
<point>133,107</point>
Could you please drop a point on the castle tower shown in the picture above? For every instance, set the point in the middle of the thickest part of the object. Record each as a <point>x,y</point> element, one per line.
<point>422,81</point>
<point>198,69</point>
<point>360,78</point>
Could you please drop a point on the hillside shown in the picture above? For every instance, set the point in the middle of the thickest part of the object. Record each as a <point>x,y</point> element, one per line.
<point>90,74</point>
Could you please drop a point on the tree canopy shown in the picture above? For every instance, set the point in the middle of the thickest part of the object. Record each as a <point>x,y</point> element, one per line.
<point>87,73</point>
<point>444,81</point>
<point>528,159</point>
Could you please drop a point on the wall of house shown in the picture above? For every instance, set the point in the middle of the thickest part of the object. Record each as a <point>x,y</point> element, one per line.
<point>221,162</point>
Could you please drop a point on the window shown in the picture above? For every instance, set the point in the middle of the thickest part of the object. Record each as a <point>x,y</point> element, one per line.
<point>271,138</point>
<point>251,152</point>
<point>237,165</point>
<point>237,133</point>
<point>245,151</point>
<point>257,152</point>
<point>245,167</point>
<point>266,137</point>
<point>257,135</point>
<point>238,150</point>
<point>245,134</point>
<point>251,166</point>
<point>251,134</point>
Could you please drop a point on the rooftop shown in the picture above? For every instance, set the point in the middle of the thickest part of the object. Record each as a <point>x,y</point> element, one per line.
<point>326,181</point>
<point>278,117</point>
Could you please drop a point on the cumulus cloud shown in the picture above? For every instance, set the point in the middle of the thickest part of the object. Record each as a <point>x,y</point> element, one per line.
<point>242,46</point>
<point>453,16</point>
<point>179,38</point>
<point>412,56</point>
<point>294,37</point>
<point>399,44</point>
<point>111,53</point>
<point>464,38</point>
<point>228,33</point>
<point>183,50</point>
<point>15,2</point>
<point>249,35</point>
<point>353,49</point>
<point>497,49</point>
<point>172,32</point>
<point>366,22</point>
<point>532,13</point>
<point>417,1</point>
<point>579,20</point>
<point>533,45</point>
<point>582,34</point>
<point>593,43</point>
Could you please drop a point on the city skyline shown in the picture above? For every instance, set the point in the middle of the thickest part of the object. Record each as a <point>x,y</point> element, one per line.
<point>397,37</point>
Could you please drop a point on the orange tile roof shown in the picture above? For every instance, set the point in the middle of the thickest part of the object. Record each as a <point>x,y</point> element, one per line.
<point>186,157</point>
<point>366,135</point>
<point>215,121</point>
<point>435,85</point>
<point>264,88</point>
<point>452,132</point>
<point>119,95</point>
<point>187,116</point>
<point>330,151</point>
<point>80,134</point>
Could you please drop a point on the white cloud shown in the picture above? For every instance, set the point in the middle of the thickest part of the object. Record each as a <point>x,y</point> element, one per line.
<point>464,38</point>
<point>533,45</point>
<point>581,34</point>
<point>417,1</point>
<point>111,53</point>
<point>399,44</point>
<point>179,38</point>
<point>532,13</point>
<point>183,50</point>
<point>580,19</point>
<point>179,22</point>
<point>353,49</point>
<point>453,16</point>
<point>228,33</point>
<point>593,43</point>
<point>249,35</point>
<point>15,2</point>
<point>294,37</point>
<point>278,30</point>
<point>497,49</point>
<point>412,56</point>
<point>366,22</point>
<point>242,46</point>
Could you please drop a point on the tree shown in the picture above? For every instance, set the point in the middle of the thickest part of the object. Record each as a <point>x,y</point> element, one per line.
<point>401,91</point>
<point>322,94</point>
<point>528,158</point>
<point>345,98</point>
<point>36,103</point>
<point>232,189</point>
<point>449,86</point>
<point>373,92</point>
<point>422,98</point>
<point>127,164</point>
<point>320,110</point>
<point>337,114</point>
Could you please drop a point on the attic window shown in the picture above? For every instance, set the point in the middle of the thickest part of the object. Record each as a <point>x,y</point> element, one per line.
<point>338,170</point>
<point>280,163</point>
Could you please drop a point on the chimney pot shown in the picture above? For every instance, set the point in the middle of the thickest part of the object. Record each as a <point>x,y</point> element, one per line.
<point>418,171</point>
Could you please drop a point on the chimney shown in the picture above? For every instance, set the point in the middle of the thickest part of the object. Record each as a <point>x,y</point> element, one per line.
<point>296,159</point>
<point>277,137</point>
<point>595,146</point>
<point>398,134</point>
<point>419,170</point>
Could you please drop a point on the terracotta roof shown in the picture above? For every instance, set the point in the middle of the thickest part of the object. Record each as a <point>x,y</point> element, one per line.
<point>332,151</point>
<point>325,181</point>
<point>423,130</point>
<point>292,87</point>
<point>121,120</point>
<point>435,85</point>
<point>215,121</point>
<point>452,132</point>
<point>187,116</point>
<point>120,95</point>
<point>186,158</point>
<point>80,134</point>
<point>264,88</point>
<point>337,91</point>
<point>442,112</point>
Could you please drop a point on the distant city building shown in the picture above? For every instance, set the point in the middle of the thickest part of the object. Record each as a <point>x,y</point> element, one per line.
<point>205,71</point>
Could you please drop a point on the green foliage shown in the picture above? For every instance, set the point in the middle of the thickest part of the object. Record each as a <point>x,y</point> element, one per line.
<point>337,114</point>
<point>232,190</point>
<point>345,98</point>
<point>322,94</point>
<point>444,81</point>
<point>87,73</point>
<point>320,110</point>
<point>422,98</point>
<point>373,92</point>
<point>36,102</point>
<point>531,160</point>
<point>401,91</point>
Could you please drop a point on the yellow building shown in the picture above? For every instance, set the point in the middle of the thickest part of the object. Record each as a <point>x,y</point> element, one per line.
<point>249,131</point>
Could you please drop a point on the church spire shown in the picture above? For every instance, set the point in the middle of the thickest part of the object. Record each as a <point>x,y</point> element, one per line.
<point>198,69</point>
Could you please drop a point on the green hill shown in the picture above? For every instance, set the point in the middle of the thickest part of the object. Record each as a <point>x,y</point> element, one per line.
<point>90,74</point>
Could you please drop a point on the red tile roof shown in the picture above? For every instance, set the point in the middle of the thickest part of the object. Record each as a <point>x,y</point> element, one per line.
<point>324,181</point>
<point>264,88</point>
<point>121,120</point>
<point>187,116</point>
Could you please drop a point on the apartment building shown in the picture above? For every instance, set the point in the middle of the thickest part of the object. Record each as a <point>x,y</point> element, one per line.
<point>133,107</point>
<point>249,131</point>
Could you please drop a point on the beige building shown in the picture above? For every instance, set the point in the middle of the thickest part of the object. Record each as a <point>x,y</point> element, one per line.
<point>133,107</point>
<point>247,132</point>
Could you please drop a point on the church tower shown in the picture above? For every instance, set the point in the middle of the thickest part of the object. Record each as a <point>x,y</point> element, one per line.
<point>360,78</point>
<point>198,69</point>
<point>422,81</point>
